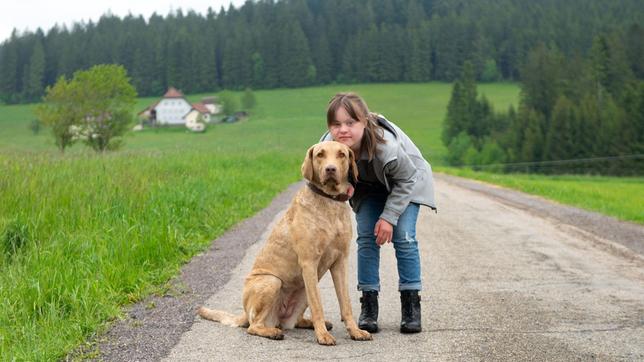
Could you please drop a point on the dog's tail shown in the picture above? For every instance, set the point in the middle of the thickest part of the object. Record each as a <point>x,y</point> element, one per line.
<point>223,317</point>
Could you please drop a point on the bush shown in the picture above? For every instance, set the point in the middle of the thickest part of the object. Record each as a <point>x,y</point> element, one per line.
<point>457,148</point>
<point>490,72</point>
<point>248,99</point>
<point>35,126</point>
<point>229,102</point>
<point>491,154</point>
<point>471,157</point>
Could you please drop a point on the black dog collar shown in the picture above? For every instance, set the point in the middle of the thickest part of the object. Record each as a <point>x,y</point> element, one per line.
<point>341,197</point>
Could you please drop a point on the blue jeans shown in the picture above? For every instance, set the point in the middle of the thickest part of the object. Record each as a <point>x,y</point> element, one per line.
<point>404,240</point>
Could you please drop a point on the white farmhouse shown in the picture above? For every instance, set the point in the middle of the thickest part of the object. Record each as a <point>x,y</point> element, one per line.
<point>171,108</point>
<point>175,110</point>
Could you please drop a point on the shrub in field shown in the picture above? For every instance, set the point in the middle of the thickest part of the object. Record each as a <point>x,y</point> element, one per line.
<point>457,149</point>
<point>248,99</point>
<point>94,106</point>
<point>34,126</point>
<point>229,103</point>
<point>60,113</point>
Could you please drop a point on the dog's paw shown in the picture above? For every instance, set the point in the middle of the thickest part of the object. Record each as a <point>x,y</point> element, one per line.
<point>326,339</point>
<point>277,336</point>
<point>360,335</point>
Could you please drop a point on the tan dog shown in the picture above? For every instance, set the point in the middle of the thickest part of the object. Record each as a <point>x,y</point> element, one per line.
<point>311,238</point>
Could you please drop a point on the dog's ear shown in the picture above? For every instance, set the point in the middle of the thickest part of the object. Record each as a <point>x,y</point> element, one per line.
<point>353,170</point>
<point>307,165</point>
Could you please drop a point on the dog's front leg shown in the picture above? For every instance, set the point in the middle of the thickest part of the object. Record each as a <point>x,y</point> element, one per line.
<point>310,275</point>
<point>339,275</point>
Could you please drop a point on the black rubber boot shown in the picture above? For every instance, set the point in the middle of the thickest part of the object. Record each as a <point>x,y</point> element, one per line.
<point>410,307</point>
<point>369,312</point>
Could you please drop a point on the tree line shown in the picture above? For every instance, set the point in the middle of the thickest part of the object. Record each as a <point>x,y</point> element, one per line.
<point>577,114</point>
<point>294,43</point>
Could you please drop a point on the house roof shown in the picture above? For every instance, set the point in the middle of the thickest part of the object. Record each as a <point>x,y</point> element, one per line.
<point>210,100</point>
<point>200,107</point>
<point>173,93</point>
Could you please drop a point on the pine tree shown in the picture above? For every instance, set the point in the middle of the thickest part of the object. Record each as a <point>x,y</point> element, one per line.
<point>35,74</point>
<point>462,110</point>
<point>388,43</point>
<point>610,67</point>
<point>541,80</point>
<point>8,69</point>
<point>562,135</point>
<point>322,58</point>
<point>295,59</point>
<point>634,45</point>
<point>532,146</point>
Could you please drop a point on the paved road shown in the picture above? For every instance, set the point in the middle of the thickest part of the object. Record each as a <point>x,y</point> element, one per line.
<point>501,282</point>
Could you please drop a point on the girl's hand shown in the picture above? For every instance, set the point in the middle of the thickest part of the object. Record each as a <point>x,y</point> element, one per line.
<point>383,232</point>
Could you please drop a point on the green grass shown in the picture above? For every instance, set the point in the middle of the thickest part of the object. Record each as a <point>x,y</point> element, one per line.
<point>286,120</point>
<point>621,197</point>
<point>83,234</point>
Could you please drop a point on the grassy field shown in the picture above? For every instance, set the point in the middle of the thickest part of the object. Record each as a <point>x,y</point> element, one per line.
<point>82,234</point>
<point>285,120</point>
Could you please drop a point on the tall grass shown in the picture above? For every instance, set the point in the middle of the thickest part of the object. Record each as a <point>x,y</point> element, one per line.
<point>83,235</point>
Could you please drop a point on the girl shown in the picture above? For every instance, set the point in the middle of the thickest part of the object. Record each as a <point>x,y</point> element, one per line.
<point>393,181</point>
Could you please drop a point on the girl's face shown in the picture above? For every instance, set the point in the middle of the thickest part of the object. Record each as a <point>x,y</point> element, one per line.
<point>347,130</point>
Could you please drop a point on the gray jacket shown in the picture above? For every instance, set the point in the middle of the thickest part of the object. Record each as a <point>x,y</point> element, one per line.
<point>399,166</point>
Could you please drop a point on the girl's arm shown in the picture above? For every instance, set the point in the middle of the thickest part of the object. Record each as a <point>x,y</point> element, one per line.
<point>401,175</point>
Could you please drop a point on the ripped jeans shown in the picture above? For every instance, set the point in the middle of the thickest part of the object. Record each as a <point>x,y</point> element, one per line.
<point>404,240</point>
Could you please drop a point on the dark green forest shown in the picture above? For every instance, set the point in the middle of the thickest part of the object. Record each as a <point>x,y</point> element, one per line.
<point>294,43</point>
<point>576,114</point>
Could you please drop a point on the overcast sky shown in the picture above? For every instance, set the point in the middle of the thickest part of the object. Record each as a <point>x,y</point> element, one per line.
<point>31,14</point>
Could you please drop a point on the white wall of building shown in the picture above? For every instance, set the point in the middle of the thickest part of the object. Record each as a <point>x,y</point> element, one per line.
<point>192,117</point>
<point>172,110</point>
<point>213,108</point>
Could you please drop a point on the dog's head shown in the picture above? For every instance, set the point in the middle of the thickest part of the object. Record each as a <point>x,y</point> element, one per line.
<point>329,165</point>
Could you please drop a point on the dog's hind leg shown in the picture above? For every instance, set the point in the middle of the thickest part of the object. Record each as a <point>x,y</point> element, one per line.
<point>296,318</point>
<point>300,321</point>
<point>262,303</point>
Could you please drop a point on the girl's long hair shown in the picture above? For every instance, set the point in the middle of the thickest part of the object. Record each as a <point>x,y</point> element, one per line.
<point>358,110</point>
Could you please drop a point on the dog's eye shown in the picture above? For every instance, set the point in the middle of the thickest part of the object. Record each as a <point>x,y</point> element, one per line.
<point>320,154</point>
<point>341,155</point>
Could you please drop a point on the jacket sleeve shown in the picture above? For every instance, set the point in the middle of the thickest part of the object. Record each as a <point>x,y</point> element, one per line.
<point>401,176</point>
